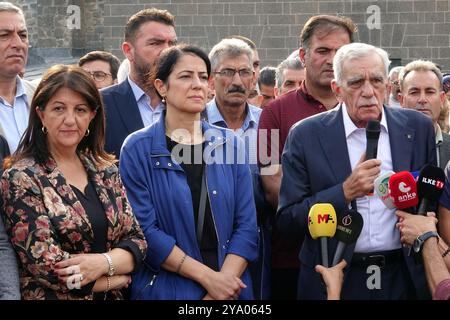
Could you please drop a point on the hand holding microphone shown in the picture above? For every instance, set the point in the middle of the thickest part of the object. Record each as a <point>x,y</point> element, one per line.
<point>361,181</point>
<point>322,225</point>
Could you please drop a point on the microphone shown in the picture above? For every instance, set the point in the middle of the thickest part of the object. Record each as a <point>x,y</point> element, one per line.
<point>430,186</point>
<point>404,191</point>
<point>372,136</point>
<point>348,230</point>
<point>382,189</point>
<point>322,224</point>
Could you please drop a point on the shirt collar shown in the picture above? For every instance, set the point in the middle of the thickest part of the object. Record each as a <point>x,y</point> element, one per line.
<point>350,127</point>
<point>20,91</point>
<point>215,117</point>
<point>137,91</point>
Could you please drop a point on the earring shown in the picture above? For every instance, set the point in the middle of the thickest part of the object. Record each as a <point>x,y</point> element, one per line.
<point>87,132</point>
<point>44,130</point>
<point>163,100</point>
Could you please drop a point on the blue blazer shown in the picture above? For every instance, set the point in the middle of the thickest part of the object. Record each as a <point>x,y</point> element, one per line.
<point>122,115</point>
<point>161,200</point>
<point>315,163</point>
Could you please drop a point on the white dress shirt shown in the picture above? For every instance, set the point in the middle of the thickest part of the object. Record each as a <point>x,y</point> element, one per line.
<point>148,114</point>
<point>379,232</point>
<point>14,118</point>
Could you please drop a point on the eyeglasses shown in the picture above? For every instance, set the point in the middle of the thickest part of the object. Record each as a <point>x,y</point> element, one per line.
<point>99,75</point>
<point>229,73</point>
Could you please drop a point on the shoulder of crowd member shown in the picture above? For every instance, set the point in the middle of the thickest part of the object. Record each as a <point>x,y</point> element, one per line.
<point>112,88</point>
<point>142,138</point>
<point>254,109</point>
<point>29,84</point>
<point>281,100</point>
<point>106,165</point>
<point>311,123</point>
<point>413,115</point>
<point>28,165</point>
<point>23,174</point>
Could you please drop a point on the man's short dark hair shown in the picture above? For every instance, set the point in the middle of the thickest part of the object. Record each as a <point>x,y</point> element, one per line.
<point>267,76</point>
<point>328,24</point>
<point>144,16</point>
<point>113,61</point>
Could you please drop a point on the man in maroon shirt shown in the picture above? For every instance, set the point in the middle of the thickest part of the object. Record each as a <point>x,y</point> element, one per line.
<point>320,38</point>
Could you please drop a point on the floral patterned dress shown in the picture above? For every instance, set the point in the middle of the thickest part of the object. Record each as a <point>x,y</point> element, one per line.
<point>46,222</point>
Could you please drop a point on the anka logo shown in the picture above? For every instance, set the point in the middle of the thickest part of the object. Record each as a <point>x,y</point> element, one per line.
<point>403,187</point>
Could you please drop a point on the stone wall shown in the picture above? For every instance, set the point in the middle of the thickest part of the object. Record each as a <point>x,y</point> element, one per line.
<point>407,29</point>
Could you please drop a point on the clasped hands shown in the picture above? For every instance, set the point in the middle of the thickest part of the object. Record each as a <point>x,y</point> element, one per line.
<point>85,268</point>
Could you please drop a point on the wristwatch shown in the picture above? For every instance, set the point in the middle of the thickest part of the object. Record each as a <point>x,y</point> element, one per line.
<point>420,240</point>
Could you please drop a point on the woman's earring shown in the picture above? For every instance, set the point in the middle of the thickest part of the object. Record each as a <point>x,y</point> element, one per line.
<point>163,100</point>
<point>44,130</point>
<point>87,132</point>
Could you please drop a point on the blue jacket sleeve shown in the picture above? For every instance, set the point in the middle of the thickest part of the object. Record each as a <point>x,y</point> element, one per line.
<point>159,244</point>
<point>244,241</point>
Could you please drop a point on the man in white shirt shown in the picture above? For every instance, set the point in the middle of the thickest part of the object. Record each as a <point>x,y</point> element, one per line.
<point>15,93</point>
<point>421,90</point>
<point>323,162</point>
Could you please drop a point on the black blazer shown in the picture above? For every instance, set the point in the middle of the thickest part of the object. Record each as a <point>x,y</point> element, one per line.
<point>122,115</point>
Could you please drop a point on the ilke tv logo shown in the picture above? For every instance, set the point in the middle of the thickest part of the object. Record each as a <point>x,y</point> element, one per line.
<point>438,184</point>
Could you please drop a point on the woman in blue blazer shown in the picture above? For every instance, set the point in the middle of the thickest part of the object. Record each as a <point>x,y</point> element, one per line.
<point>199,243</point>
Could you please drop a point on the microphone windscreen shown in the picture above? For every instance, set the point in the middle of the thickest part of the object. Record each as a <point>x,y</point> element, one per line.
<point>349,227</point>
<point>373,129</point>
<point>403,190</point>
<point>322,220</point>
<point>381,186</point>
<point>430,183</point>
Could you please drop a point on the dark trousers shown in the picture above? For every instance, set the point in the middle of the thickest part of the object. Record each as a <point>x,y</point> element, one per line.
<point>260,269</point>
<point>395,281</point>
<point>284,283</point>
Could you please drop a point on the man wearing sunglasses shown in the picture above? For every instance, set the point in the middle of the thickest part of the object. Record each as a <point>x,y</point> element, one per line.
<point>102,66</point>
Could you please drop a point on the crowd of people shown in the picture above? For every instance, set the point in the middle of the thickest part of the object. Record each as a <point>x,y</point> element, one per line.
<point>181,174</point>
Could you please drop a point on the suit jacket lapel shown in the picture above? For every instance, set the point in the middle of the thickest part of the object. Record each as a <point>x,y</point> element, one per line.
<point>128,108</point>
<point>334,144</point>
<point>401,138</point>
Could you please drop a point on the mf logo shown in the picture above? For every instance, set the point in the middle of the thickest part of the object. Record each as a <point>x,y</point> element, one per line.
<point>324,218</point>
